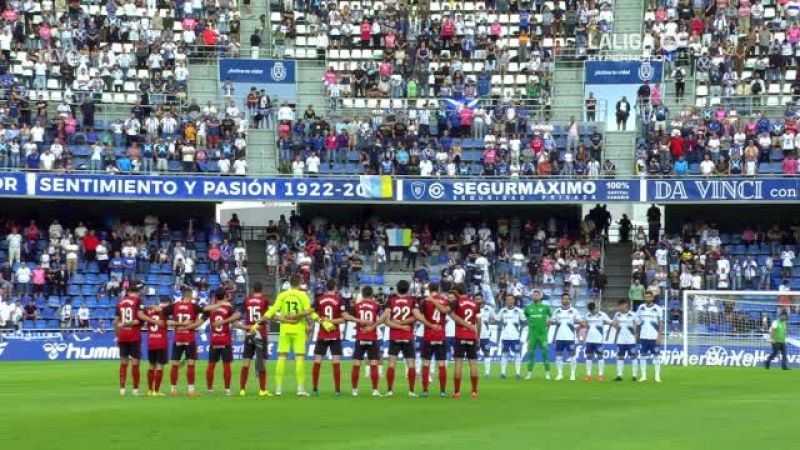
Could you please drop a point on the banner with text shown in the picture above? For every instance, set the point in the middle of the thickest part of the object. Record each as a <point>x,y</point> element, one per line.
<point>278,79</point>
<point>519,190</point>
<point>715,190</point>
<point>214,188</point>
<point>13,184</point>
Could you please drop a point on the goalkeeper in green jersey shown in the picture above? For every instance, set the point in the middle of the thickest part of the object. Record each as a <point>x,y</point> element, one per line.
<point>537,314</point>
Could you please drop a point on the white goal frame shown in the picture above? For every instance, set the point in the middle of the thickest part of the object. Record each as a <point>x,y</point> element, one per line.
<point>722,293</point>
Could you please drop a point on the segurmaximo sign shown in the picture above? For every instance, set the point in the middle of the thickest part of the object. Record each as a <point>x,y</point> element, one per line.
<point>518,190</point>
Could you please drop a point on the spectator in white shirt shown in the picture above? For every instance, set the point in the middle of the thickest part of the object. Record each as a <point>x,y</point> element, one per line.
<point>787,262</point>
<point>298,167</point>
<point>240,167</point>
<point>312,164</point>
<point>83,316</point>
<point>22,279</point>
<point>14,240</point>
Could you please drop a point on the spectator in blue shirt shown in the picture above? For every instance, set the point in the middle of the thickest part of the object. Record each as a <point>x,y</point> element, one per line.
<point>681,166</point>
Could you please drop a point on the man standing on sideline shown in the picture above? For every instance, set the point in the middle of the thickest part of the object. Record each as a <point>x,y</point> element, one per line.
<point>777,335</point>
<point>538,313</point>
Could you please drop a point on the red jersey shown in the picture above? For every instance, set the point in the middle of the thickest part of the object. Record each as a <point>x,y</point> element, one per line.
<point>433,315</point>
<point>252,311</point>
<point>184,312</point>
<point>368,310</point>
<point>400,309</point>
<point>127,311</point>
<point>156,334</point>
<point>329,307</point>
<point>221,334</point>
<point>467,309</point>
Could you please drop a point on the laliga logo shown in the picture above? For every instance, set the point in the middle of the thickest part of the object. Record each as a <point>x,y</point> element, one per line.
<point>645,71</point>
<point>278,71</point>
<point>54,349</point>
<point>716,355</point>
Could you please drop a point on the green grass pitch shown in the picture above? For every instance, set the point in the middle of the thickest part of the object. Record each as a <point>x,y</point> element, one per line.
<point>76,405</point>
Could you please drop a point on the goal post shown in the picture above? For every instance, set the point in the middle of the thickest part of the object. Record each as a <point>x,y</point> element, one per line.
<point>732,328</point>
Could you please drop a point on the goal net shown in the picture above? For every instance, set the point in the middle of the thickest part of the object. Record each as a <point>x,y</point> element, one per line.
<point>726,328</point>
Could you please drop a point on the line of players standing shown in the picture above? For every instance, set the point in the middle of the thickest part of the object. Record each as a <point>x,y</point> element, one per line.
<point>637,336</point>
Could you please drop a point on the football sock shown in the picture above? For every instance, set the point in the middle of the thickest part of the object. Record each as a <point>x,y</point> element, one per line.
<point>374,376</point>
<point>601,366</point>
<point>390,378</point>
<point>503,364</point>
<point>135,373</point>
<point>643,367</point>
<point>573,365</point>
<point>635,366</point>
<point>589,366</point>
<point>300,373</point>
<point>560,365</point>
<point>474,380</point>
<point>426,377</point>
<point>226,374</point>
<point>518,364</point>
<point>159,375</point>
<point>412,379</point>
<point>620,366</point>
<point>337,376</point>
<point>280,368</point>
<point>173,375</point>
<point>262,380</point>
<point>657,366</point>
<point>243,377</point>
<point>442,378</point>
<point>487,364</point>
<point>150,379</point>
<point>456,384</point>
<point>546,359</point>
<point>210,375</point>
<point>123,375</point>
<point>354,375</point>
<point>315,375</point>
<point>190,376</point>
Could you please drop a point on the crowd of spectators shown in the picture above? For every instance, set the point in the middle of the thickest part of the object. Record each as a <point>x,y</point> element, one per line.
<point>509,255</point>
<point>740,55</point>
<point>438,141</point>
<point>68,275</point>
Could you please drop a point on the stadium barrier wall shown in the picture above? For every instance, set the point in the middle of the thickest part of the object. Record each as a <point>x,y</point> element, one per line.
<point>384,188</point>
<point>57,346</point>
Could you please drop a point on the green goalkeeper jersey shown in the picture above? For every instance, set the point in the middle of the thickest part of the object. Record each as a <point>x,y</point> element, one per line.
<point>537,314</point>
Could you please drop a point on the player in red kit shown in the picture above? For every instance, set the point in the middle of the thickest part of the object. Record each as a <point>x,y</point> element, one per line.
<point>366,315</point>
<point>253,308</point>
<point>185,316</point>
<point>400,319</point>
<point>465,312</point>
<point>156,344</point>
<point>432,312</point>
<point>129,337</point>
<point>332,311</point>
<point>221,315</point>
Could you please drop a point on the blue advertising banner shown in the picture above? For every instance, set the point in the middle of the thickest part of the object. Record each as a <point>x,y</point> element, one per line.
<point>257,71</point>
<point>623,72</point>
<point>13,184</point>
<point>708,190</point>
<point>519,190</point>
<point>277,78</point>
<point>94,346</point>
<point>213,188</point>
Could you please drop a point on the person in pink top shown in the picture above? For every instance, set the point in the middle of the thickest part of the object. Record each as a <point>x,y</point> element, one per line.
<point>390,40</point>
<point>386,69</point>
<point>214,255</point>
<point>790,165</point>
<point>448,30</point>
<point>39,276</point>
<point>329,77</point>
<point>495,30</point>
<point>748,236</point>
<point>330,147</point>
<point>465,120</point>
<point>366,35</point>
<point>793,34</point>
<point>655,94</point>
<point>490,156</point>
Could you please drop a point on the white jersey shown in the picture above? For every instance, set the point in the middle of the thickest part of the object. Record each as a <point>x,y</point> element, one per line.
<point>565,321</point>
<point>648,319</point>
<point>626,334</point>
<point>449,328</point>
<point>511,321</point>
<point>487,312</point>
<point>597,324</point>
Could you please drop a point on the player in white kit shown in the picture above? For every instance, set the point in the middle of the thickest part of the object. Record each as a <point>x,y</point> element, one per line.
<point>650,318</point>
<point>596,322</point>
<point>487,330</point>
<point>624,324</point>
<point>510,320</point>
<point>567,320</point>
